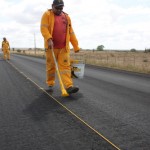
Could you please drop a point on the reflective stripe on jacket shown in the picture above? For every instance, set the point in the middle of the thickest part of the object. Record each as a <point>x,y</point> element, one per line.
<point>47,25</point>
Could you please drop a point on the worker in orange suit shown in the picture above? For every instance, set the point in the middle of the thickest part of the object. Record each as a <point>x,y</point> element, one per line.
<point>56,28</point>
<point>6,49</point>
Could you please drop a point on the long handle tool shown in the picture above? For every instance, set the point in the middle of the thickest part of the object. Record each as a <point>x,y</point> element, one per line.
<point>63,90</point>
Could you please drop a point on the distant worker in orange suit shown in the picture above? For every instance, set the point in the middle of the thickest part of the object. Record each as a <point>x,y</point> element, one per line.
<point>6,49</point>
<point>57,31</point>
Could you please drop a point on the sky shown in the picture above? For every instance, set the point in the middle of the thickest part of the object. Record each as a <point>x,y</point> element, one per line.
<point>115,24</point>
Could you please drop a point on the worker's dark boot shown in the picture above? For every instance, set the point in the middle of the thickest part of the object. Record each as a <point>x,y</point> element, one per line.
<point>72,89</point>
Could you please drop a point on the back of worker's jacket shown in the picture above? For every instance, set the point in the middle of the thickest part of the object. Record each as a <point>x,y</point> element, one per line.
<point>5,45</point>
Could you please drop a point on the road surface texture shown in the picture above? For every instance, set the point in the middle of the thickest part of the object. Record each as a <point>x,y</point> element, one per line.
<point>111,110</point>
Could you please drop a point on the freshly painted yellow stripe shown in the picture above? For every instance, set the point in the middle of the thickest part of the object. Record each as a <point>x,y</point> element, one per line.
<point>68,109</point>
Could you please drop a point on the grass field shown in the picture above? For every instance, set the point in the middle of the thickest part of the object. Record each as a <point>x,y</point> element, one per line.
<point>124,60</point>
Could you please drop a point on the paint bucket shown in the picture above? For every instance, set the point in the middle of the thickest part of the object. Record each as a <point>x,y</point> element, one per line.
<point>78,68</point>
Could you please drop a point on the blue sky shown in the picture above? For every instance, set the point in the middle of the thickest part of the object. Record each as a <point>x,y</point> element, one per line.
<point>116,24</point>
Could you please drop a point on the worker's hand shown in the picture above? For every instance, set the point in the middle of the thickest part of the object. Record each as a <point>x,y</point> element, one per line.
<point>50,43</point>
<point>77,51</point>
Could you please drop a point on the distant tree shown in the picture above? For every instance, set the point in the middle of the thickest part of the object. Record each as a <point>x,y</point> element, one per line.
<point>100,48</point>
<point>133,50</point>
<point>147,50</point>
<point>18,50</point>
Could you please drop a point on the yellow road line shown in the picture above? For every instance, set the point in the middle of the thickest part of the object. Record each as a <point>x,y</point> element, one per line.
<point>85,123</point>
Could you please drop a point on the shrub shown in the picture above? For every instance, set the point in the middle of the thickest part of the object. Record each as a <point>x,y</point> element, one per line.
<point>18,50</point>
<point>133,50</point>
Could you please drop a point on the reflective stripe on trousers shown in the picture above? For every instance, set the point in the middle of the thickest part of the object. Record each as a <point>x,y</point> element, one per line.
<point>63,60</point>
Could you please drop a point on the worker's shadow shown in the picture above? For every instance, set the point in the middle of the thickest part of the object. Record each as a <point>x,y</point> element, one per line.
<point>40,108</point>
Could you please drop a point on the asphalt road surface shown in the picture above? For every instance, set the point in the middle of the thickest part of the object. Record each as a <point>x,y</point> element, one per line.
<point>111,110</point>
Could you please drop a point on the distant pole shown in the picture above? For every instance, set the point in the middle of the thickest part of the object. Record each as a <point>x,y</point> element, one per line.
<point>34,44</point>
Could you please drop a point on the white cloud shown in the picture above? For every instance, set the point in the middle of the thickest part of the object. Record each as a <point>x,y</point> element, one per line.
<point>99,22</point>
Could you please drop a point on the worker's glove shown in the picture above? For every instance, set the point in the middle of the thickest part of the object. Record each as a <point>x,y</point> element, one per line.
<point>77,51</point>
<point>50,43</point>
<point>72,72</point>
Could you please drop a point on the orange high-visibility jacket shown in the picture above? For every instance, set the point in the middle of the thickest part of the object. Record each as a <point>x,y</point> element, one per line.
<point>47,25</point>
<point>5,45</point>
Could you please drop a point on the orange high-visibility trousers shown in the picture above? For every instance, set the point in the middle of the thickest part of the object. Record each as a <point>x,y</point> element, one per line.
<point>63,60</point>
<point>6,54</point>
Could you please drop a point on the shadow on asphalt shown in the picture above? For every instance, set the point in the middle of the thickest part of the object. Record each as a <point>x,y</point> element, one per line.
<point>54,122</point>
<point>39,108</point>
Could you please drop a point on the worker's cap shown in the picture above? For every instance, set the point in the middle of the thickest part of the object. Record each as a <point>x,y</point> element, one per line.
<point>4,38</point>
<point>58,3</point>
